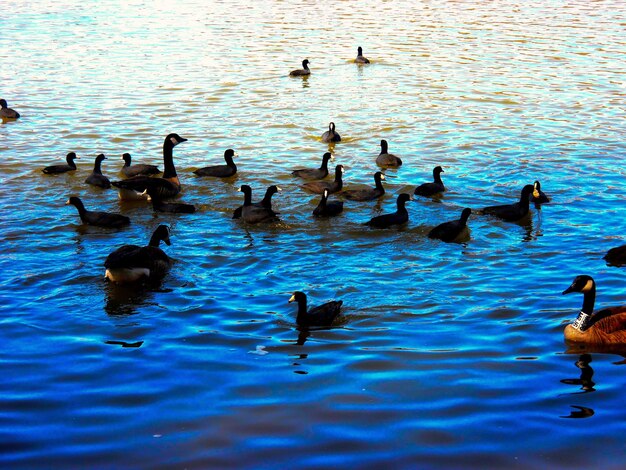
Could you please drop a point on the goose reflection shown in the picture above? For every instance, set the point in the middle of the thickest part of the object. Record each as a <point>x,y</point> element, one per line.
<point>125,299</point>
<point>586,374</point>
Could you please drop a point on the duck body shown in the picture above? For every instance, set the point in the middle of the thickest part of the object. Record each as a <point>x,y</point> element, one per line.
<point>265,202</point>
<point>96,178</point>
<point>322,315</point>
<point>133,263</point>
<point>401,216</point>
<point>220,171</point>
<point>315,173</point>
<point>604,327</point>
<point>318,187</point>
<point>616,256</point>
<point>97,218</point>
<point>453,230</point>
<point>327,208</point>
<point>368,194</point>
<point>143,169</point>
<point>386,159</point>
<point>512,212</point>
<point>331,135</point>
<point>6,112</point>
<point>359,57</point>
<point>57,169</point>
<point>538,196</point>
<point>430,189</point>
<point>303,72</point>
<point>166,187</point>
<point>254,214</point>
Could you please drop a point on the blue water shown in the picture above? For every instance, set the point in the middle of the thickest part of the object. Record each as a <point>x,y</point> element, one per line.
<point>447,355</point>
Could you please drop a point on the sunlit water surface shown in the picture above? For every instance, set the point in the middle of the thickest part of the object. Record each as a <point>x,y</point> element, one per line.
<point>448,355</point>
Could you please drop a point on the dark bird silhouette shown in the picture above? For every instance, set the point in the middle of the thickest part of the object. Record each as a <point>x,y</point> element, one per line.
<point>6,112</point>
<point>512,212</point>
<point>538,196</point>
<point>369,193</point>
<point>453,230</point>
<point>254,214</point>
<point>56,169</point>
<point>318,187</point>
<point>315,173</point>
<point>386,159</point>
<point>220,171</point>
<point>322,315</point>
<point>137,169</point>
<point>303,72</point>
<point>359,57</point>
<point>616,256</point>
<point>430,189</point>
<point>96,178</point>
<point>327,208</point>
<point>265,202</point>
<point>331,135</point>
<point>401,215</point>
<point>96,218</point>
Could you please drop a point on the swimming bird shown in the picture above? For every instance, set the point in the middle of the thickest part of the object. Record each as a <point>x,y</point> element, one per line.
<point>220,171</point>
<point>165,187</point>
<point>359,57</point>
<point>96,178</point>
<point>453,230</point>
<point>369,193</point>
<point>327,208</point>
<point>512,212</point>
<point>386,159</point>
<point>96,218</point>
<point>318,187</point>
<point>137,169</point>
<point>616,256</point>
<point>6,112</point>
<point>538,196</point>
<point>330,135</point>
<point>605,327</point>
<point>322,315</point>
<point>303,72</point>
<point>430,189</point>
<point>254,214</point>
<point>265,202</point>
<point>132,263</point>
<point>172,207</point>
<point>56,169</point>
<point>315,173</point>
<point>401,215</point>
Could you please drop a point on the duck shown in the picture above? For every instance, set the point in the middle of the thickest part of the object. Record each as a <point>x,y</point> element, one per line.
<point>386,159</point>
<point>327,208</point>
<point>603,327</point>
<point>369,193</point>
<point>538,196</point>
<point>254,214</point>
<point>265,202</point>
<point>399,217</point>
<point>453,230</point>
<point>57,169</point>
<point>333,187</point>
<point>131,263</point>
<point>303,72</point>
<point>322,315</point>
<point>315,173</point>
<point>96,218</point>
<point>220,171</point>
<point>96,178</point>
<point>512,212</point>
<point>359,57</point>
<point>172,207</point>
<point>6,112</point>
<point>430,189</point>
<point>129,170</point>
<point>330,135</point>
<point>616,256</point>
<point>165,187</point>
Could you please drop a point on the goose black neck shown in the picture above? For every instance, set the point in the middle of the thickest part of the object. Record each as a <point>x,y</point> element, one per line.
<point>383,147</point>
<point>155,239</point>
<point>589,300</point>
<point>169,171</point>
<point>359,51</point>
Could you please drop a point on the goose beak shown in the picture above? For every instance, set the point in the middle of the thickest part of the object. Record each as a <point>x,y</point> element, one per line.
<point>278,188</point>
<point>292,298</point>
<point>67,203</point>
<point>568,290</point>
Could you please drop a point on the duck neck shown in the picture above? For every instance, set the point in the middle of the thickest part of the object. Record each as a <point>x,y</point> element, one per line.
<point>247,198</point>
<point>437,178</point>
<point>383,148</point>
<point>230,162</point>
<point>267,199</point>
<point>324,165</point>
<point>379,183</point>
<point>70,161</point>
<point>401,206</point>
<point>338,177</point>
<point>169,171</point>
<point>80,206</point>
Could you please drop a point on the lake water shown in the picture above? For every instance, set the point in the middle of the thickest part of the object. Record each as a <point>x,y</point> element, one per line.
<point>447,356</point>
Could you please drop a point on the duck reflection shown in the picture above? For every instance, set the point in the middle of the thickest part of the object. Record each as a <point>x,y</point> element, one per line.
<point>586,374</point>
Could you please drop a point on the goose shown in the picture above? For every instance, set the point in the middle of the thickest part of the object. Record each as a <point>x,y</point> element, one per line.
<point>265,202</point>
<point>322,315</point>
<point>603,327</point>
<point>96,178</point>
<point>538,196</point>
<point>359,57</point>
<point>386,159</point>
<point>369,193</point>
<point>98,219</point>
<point>132,263</point>
<point>430,189</point>
<point>330,135</point>
<point>315,173</point>
<point>512,212</point>
<point>6,112</point>
<point>616,256</point>
<point>318,187</point>
<point>138,169</point>
<point>327,208</point>
<point>303,72</point>
<point>220,171</point>
<point>401,215</point>
<point>254,214</point>
<point>453,230</point>
<point>172,207</point>
<point>56,169</point>
<point>165,187</point>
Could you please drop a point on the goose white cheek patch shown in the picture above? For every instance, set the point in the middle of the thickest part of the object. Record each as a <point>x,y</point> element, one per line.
<point>580,322</point>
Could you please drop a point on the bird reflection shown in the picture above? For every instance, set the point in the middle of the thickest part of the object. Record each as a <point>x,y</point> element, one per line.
<point>586,374</point>
<point>124,299</point>
<point>581,412</point>
<point>303,334</point>
<point>125,344</point>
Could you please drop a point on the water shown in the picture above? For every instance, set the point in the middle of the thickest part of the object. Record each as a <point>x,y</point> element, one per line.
<point>448,355</point>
